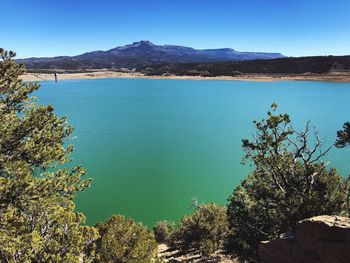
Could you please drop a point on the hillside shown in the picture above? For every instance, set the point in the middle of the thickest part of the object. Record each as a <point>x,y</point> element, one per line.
<point>142,54</point>
<point>300,65</point>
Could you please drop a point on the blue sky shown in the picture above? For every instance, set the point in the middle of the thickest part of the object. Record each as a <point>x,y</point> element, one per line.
<point>70,27</point>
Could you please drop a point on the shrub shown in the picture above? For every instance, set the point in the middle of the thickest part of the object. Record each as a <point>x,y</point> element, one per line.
<point>289,184</point>
<point>204,230</point>
<point>163,231</point>
<point>124,240</point>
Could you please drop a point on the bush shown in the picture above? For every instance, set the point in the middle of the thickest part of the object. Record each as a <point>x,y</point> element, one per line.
<point>124,240</point>
<point>289,184</point>
<point>163,231</point>
<point>204,230</point>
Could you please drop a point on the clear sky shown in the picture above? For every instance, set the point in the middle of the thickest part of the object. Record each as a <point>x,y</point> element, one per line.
<point>70,27</point>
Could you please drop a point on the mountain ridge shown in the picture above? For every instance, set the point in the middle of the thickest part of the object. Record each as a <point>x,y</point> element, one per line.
<point>140,54</point>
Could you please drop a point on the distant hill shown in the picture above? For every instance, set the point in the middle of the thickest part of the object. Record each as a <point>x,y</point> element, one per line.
<point>142,54</point>
<point>290,65</point>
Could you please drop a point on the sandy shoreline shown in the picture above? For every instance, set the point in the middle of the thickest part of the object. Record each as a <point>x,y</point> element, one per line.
<point>246,77</point>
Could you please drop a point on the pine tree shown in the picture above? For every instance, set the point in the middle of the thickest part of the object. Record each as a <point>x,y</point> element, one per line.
<point>38,222</point>
<point>343,136</point>
<point>289,183</point>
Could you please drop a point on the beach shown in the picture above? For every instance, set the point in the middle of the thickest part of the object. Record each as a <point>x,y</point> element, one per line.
<point>243,77</point>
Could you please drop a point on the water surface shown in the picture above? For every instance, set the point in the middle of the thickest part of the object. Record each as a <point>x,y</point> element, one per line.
<point>152,145</point>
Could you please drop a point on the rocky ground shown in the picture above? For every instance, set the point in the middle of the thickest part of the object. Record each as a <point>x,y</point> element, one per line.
<point>173,256</point>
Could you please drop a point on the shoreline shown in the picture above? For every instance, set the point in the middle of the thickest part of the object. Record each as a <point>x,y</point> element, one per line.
<point>243,77</point>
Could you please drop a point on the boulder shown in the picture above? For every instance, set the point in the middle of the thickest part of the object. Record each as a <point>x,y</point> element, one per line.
<point>320,239</point>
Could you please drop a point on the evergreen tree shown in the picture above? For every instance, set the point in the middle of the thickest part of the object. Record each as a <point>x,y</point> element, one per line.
<point>343,136</point>
<point>37,218</point>
<point>289,183</point>
<point>343,141</point>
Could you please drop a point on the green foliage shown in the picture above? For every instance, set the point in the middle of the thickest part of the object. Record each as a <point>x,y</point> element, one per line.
<point>343,140</point>
<point>204,230</point>
<point>289,184</point>
<point>124,240</point>
<point>343,136</point>
<point>163,231</point>
<point>37,218</point>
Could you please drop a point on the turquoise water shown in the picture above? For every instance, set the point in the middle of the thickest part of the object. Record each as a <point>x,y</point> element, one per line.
<point>152,145</point>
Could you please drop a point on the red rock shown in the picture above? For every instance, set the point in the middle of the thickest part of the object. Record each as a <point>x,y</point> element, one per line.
<point>320,239</point>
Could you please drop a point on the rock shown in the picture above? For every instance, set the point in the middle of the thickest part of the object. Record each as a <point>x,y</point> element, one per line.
<point>320,239</point>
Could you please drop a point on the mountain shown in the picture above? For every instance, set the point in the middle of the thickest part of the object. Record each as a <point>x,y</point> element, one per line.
<point>142,54</point>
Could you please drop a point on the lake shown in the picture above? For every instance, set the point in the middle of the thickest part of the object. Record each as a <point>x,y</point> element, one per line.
<point>153,145</point>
